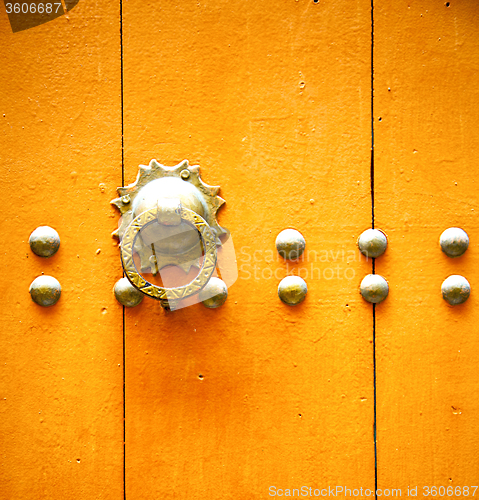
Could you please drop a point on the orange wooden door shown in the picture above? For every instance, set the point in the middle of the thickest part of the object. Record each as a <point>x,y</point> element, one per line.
<point>273,101</point>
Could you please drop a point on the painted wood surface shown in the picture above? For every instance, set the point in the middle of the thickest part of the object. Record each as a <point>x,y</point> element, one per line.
<point>272,100</point>
<point>426,110</point>
<point>61,378</point>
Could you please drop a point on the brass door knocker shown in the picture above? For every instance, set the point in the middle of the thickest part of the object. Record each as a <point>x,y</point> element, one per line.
<point>157,213</point>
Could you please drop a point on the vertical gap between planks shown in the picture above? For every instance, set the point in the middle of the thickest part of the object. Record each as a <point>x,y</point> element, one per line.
<point>121,98</point>
<point>374,260</point>
<point>124,409</point>
<point>375,407</point>
<point>123,183</point>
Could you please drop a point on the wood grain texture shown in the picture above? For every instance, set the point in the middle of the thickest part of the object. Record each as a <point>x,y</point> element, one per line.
<point>60,368</point>
<point>426,64</point>
<point>272,100</point>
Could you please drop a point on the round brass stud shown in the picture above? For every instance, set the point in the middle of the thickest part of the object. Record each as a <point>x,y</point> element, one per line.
<point>292,290</point>
<point>290,244</point>
<point>45,291</point>
<point>372,243</point>
<point>454,241</point>
<point>455,289</point>
<point>126,294</point>
<point>214,294</point>
<point>374,288</point>
<point>185,174</point>
<point>44,241</point>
